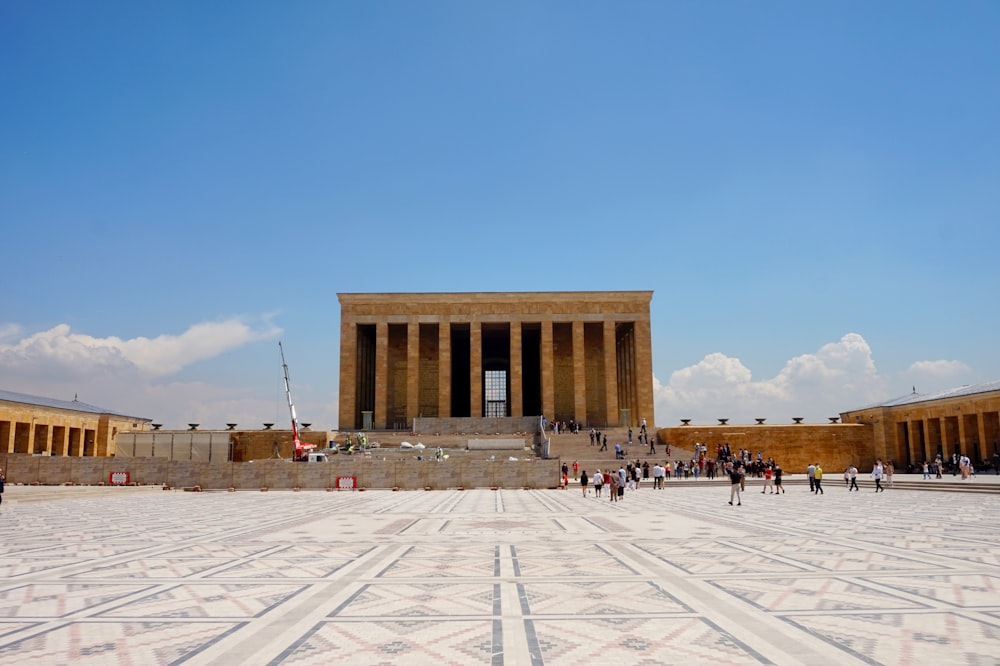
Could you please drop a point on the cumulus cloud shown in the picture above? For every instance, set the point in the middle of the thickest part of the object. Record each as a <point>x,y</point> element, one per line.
<point>133,375</point>
<point>839,376</point>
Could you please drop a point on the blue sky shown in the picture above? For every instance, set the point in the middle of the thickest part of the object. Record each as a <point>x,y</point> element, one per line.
<point>811,190</point>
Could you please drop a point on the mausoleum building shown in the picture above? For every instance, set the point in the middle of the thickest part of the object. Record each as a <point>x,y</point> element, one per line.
<point>580,356</point>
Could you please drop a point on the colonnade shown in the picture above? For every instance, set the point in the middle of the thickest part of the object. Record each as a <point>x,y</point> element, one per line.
<point>581,356</point>
<point>975,434</point>
<point>41,436</point>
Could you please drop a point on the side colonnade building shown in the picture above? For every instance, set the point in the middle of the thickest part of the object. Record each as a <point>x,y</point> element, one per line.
<point>581,356</point>
<point>47,426</point>
<point>918,427</point>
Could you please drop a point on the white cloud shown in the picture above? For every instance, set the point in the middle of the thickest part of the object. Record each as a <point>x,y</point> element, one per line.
<point>839,376</point>
<point>936,369</point>
<point>131,375</point>
<point>61,348</point>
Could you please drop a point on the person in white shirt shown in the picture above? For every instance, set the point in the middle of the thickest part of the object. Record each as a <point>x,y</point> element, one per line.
<point>877,475</point>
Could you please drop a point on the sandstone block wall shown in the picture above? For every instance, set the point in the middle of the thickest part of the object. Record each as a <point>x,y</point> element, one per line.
<point>407,474</point>
<point>835,446</point>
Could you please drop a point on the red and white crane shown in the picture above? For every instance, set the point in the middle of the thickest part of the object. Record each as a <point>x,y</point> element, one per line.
<point>301,451</point>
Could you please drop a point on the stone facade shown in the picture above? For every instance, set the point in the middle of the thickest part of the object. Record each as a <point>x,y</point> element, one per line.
<point>915,428</point>
<point>794,446</point>
<point>45,426</point>
<point>582,356</point>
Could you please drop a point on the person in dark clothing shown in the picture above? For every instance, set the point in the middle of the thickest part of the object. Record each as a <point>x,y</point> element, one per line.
<point>735,478</point>
<point>777,479</point>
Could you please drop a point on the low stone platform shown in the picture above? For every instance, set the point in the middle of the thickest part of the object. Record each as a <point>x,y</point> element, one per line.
<point>532,577</point>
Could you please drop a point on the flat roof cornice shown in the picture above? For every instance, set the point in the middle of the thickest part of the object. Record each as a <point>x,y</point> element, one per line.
<point>495,296</point>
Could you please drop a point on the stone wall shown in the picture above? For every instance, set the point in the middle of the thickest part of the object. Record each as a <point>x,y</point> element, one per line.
<point>281,474</point>
<point>835,446</point>
<point>259,444</point>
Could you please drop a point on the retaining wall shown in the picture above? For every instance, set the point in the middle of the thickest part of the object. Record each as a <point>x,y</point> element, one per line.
<point>406,474</point>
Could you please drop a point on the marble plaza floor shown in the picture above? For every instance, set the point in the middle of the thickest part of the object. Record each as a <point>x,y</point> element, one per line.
<point>145,576</point>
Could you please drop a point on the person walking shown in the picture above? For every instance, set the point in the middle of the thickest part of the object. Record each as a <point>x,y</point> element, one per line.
<point>735,479</point>
<point>583,482</point>
<point>777,479</point>
<point>810,470</point>
<point>818,479</point>
<point>877,475</point>
<point>888,473</point>
<point>2,479</point>
<point>768,480</point>
<point>598,483</point>
<point>852,473</point>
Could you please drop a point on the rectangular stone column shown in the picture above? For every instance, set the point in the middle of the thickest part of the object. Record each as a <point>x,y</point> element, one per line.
<point>444,369</point>
<point>981,452</point>
<point>348,376</point>
<point>516,371</point>
<point>62,447</point>
<point>643,374</point>
<point>610,374</point>
<point>47,444</point>
<point>579,374</point>
<point>913,435</point>
<point>475,369</point>
<point>925,449</point>
<point>7,444</point>
<point>548,373</point>
<point>382,419</point>
<point>412,371</point>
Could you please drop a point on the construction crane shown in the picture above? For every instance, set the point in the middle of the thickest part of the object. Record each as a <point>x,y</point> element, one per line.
<point>301,451</point>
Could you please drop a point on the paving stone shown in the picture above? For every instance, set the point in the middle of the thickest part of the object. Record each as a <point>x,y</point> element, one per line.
<point>506,577</point>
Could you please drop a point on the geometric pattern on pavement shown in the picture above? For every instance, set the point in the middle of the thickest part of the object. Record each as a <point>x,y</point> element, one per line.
<point>143,576</point>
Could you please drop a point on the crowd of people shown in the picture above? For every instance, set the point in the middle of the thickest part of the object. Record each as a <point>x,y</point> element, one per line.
<point>737,466</point>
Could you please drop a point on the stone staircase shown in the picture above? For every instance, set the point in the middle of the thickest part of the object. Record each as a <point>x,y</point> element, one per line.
<point>569,447</point>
